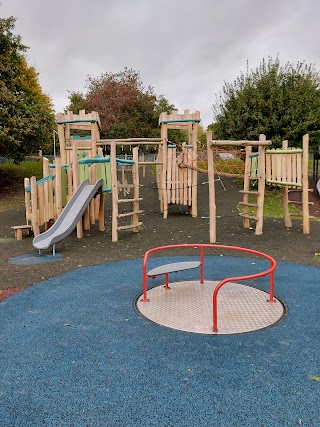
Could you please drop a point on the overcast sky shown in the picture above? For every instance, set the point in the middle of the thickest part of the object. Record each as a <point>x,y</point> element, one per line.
<point>185,49</point>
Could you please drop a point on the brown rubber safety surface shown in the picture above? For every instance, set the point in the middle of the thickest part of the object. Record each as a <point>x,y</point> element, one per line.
<point>187,306</point>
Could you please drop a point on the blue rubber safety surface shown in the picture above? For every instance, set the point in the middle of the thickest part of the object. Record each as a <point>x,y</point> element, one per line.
<point>74,352</point>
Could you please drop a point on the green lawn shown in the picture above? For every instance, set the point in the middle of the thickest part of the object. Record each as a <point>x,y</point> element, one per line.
<point>12,186</point>
<point>273,204</point>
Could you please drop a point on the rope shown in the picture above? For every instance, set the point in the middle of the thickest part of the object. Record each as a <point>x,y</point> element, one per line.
<point>227,163</point>
<point>218,173</point>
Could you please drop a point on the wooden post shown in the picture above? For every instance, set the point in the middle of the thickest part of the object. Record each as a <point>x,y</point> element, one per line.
<point>169,176</point>
<point>75,183</point>
<point>45,166</point>
<point>102,226</point>
<point>261,185</point>
<point>189,160</point>
<point>286,212</point>
<point>185,176</point>
<point>46,205</point>
<point>144,166</point>
<point>58,188</point>
<point>34,206</point>
<point>246,187</point>
<point>305,185</point>
<point>27,200</point>
<point>40,191</point>
<point>173,175</point>
<point>69,183</point>
<point>115,208</point>
<point>163,180</point>
<point>159,174</point>
<point>62,143</point>
<point>212,195</point>
<point>135,179</point>
<point>194,139</point>
<point>51,200</point>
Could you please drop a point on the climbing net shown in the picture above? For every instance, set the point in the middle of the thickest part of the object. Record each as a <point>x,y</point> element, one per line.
<point>227,162</point>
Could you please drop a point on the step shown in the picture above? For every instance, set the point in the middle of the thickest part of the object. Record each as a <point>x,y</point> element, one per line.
<point>137,199</point>
<point>243,215</point>
<point>125,186</point>
<point>127,227</point>
<point>150,163</point>
<point>295,202</point>
<point>300,190</point>
<point>123,215</point>
<point>248,204</point>
<point>256,193</point>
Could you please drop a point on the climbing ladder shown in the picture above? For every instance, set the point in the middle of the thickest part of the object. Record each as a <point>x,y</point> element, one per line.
<point>134,210</point>
<point>254,199</point>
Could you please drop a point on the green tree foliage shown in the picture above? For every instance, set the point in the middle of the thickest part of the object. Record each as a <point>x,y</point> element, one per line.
<point>126,108</point>
<point>282,102</point>
<point>26,114</point>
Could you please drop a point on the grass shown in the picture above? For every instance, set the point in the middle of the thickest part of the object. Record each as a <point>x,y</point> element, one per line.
<point>22,170</point>
<point>11,178</point>
<point>273,204</point>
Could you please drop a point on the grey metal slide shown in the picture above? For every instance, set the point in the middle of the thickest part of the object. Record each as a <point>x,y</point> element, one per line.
<point>69,217</point>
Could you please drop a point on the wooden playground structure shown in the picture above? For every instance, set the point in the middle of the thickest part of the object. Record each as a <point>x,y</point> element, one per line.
<point>179,184</point>
<point>83,158</point>
<point>285,167</point>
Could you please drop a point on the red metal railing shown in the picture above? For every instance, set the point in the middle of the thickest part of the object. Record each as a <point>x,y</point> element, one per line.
<point>202,246</point>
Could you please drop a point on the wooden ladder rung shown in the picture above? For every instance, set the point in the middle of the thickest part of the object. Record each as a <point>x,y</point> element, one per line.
<point>125,186</point>
<point>138,199</point>
<point>150,163</point>
<point>300,190</point>
<point>129,214</point>
<point>295,202</point>
<point>248,204</point>
<point>244,215</point>
<point>126,227</point>
<point>256,193</point>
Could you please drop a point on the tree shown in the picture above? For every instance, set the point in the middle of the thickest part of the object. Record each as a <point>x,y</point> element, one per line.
<point>126,108</point>
<point>282,102</point>
<point>26,114</point>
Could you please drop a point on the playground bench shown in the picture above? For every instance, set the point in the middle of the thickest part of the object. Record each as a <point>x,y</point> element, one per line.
<point>18,230</point>
<point>165,269</point>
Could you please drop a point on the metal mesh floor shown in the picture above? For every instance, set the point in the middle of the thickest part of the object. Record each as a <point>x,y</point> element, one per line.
<point>187,306</point>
